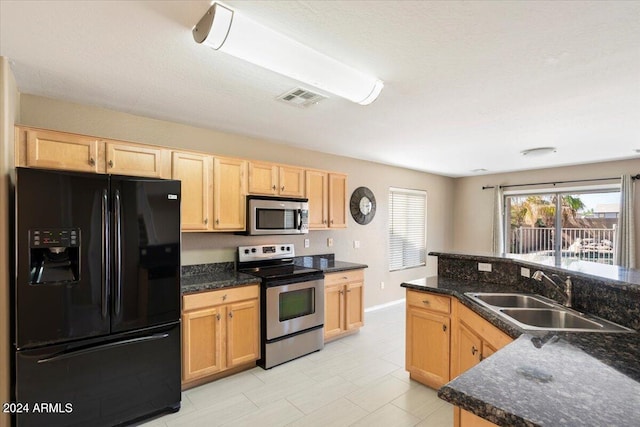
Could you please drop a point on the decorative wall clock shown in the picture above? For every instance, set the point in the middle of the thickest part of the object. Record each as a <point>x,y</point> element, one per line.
<point>362,205</point>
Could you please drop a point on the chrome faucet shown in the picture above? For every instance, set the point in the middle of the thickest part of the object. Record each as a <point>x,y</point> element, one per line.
<point>566,293</point>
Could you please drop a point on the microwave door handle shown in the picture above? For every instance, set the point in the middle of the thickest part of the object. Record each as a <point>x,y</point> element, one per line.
<point>299,219</point>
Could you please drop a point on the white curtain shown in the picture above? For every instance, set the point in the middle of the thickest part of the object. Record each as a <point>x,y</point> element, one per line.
<point>497,228</point>
<point>625,253</point>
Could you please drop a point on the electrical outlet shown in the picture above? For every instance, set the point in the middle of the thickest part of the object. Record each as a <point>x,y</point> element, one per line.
<point>525,272</point>
<point>381,285</point>
<point>484,266</point>
<point>329,241</point>
<point>356,244</point>
<point>306,243</point>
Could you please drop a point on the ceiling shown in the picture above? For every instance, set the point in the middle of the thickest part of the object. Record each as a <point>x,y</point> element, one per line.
<point>468,85</point>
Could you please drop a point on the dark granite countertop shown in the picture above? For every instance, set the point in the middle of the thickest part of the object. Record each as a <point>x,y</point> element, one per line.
<point>549,378</point>
<point>627,277</point>
<point>207,277</point>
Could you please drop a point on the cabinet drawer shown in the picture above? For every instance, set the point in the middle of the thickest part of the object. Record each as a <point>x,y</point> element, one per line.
<point>344,277</point>
<point>222,296</point>
<point>429,301</point>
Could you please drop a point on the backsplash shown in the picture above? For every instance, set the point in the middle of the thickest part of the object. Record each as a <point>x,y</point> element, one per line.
<point>606,298</point>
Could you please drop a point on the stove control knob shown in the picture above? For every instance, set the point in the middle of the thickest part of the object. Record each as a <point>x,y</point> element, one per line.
<point>288,248</point>
<point>253,250</point>
<point>282,248</point>
<point>246,251</point>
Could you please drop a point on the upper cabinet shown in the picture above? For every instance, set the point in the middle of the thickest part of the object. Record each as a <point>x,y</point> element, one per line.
<point>137,160</point>
<point>229,194</point>
<point>195,171</point>
<point>327,194</point>
<point>214,189</point>
<point>41,148</point>
<point>275,180</point>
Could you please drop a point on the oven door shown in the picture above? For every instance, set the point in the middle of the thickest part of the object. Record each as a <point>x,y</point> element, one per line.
<point>294,307</point>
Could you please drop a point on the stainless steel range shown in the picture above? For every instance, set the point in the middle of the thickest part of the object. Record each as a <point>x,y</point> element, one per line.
<point>292,302</point>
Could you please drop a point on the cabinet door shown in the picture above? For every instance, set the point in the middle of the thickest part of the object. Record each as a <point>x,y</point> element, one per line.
<point>469,350</point>
<point>337,200</point>
<point>58,150</point>
<point>354,303</point>
<point>194,172</point>
<point>427,352</point>
<point>135,160</point>
<point>202,343</point>
<point>229,189</point>
<point>333,311</point>
<point>317,190</point>
<point>243,333</point>
<point>263,178</point>
<point>291,181</point>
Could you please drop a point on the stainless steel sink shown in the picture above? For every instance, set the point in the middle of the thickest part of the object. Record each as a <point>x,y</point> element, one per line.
<point>537,313</point>
<point>513,300</point>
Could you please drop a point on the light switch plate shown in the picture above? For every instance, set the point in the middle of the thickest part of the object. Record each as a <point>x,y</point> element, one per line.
<point>356,244</point>
<point>484,266</point>
<point>306,243</point>
<point>329,241</point>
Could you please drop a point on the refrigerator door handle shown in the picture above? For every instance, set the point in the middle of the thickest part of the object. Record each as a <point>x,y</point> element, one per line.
<point>118,218</point>
<point>73,353</point>
<point>106,258</point>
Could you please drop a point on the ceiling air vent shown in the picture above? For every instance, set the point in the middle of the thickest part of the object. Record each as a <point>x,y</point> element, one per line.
<point>301,97</point>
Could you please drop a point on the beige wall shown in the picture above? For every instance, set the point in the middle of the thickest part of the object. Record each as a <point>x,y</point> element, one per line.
<point>9,108</point>
<point>473,207</point>
<point>216,247</point>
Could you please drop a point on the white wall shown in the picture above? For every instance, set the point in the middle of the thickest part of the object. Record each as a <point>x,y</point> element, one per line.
<point>9,106</point>
<point>473,207</point>
<point>216,247</point>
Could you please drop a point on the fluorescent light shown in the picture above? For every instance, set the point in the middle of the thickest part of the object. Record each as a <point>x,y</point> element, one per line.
<point>539,151</point>
<point>228,31</point>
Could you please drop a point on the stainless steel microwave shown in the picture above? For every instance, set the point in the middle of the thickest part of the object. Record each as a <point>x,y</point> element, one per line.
<point>277,215</point>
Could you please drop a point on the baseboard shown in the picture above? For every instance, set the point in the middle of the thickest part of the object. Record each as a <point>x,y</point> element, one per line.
<point>385,305</point>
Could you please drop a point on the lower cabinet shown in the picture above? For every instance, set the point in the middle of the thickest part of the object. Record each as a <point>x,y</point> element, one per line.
<point>220,331</point>
<point>444,339</point>
<point>343,303</point>
<point>428,330</point>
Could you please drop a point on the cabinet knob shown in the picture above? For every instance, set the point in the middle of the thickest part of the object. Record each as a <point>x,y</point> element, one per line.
<point>444,328</point>
<point>231,314</point>
<point>206,221</point>
<point>92,161</point>
<point>218,316</point>
<point>282,188</point>
<point>348,290</point>
<point>273,187</point>
<point>324,221</point>
<point>341,292</point>
<point>110,163</point>
<point>474,350</point>
<point>224,297</point>
<point>217,221</point>
<point>426,301</point>
<point>331,221</point>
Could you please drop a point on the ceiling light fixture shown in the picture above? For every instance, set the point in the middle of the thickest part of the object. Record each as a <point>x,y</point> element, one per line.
<point>225,30</point>
<point>540,151</point>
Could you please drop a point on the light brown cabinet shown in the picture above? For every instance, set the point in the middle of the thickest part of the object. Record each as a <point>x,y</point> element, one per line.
<point>428,331</point>
<point>475,340</point>
<point>276,180</point>
<point>137,160</point>
<point>343,303</point>
<point>40,148</point>
<point>327,194</point>
<point>229,194</point>
<point>220,331</point>
<point>195,171</point>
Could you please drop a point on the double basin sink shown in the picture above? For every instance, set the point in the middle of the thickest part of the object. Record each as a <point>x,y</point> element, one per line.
<point>537,313</point>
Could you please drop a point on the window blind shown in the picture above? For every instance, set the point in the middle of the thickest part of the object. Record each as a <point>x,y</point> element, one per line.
<point>407,228</point>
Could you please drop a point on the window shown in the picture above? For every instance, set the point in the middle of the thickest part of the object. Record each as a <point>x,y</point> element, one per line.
<point>579,224</point>
<point>407,228</point>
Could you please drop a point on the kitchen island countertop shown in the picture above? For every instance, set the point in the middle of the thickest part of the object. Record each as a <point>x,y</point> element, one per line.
<point>546,378</point>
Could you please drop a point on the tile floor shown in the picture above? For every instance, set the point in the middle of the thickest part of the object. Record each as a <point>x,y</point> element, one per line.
<point>355,381</point>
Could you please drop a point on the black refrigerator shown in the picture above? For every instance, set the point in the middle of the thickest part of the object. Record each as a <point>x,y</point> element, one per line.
<point>96,314</point>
